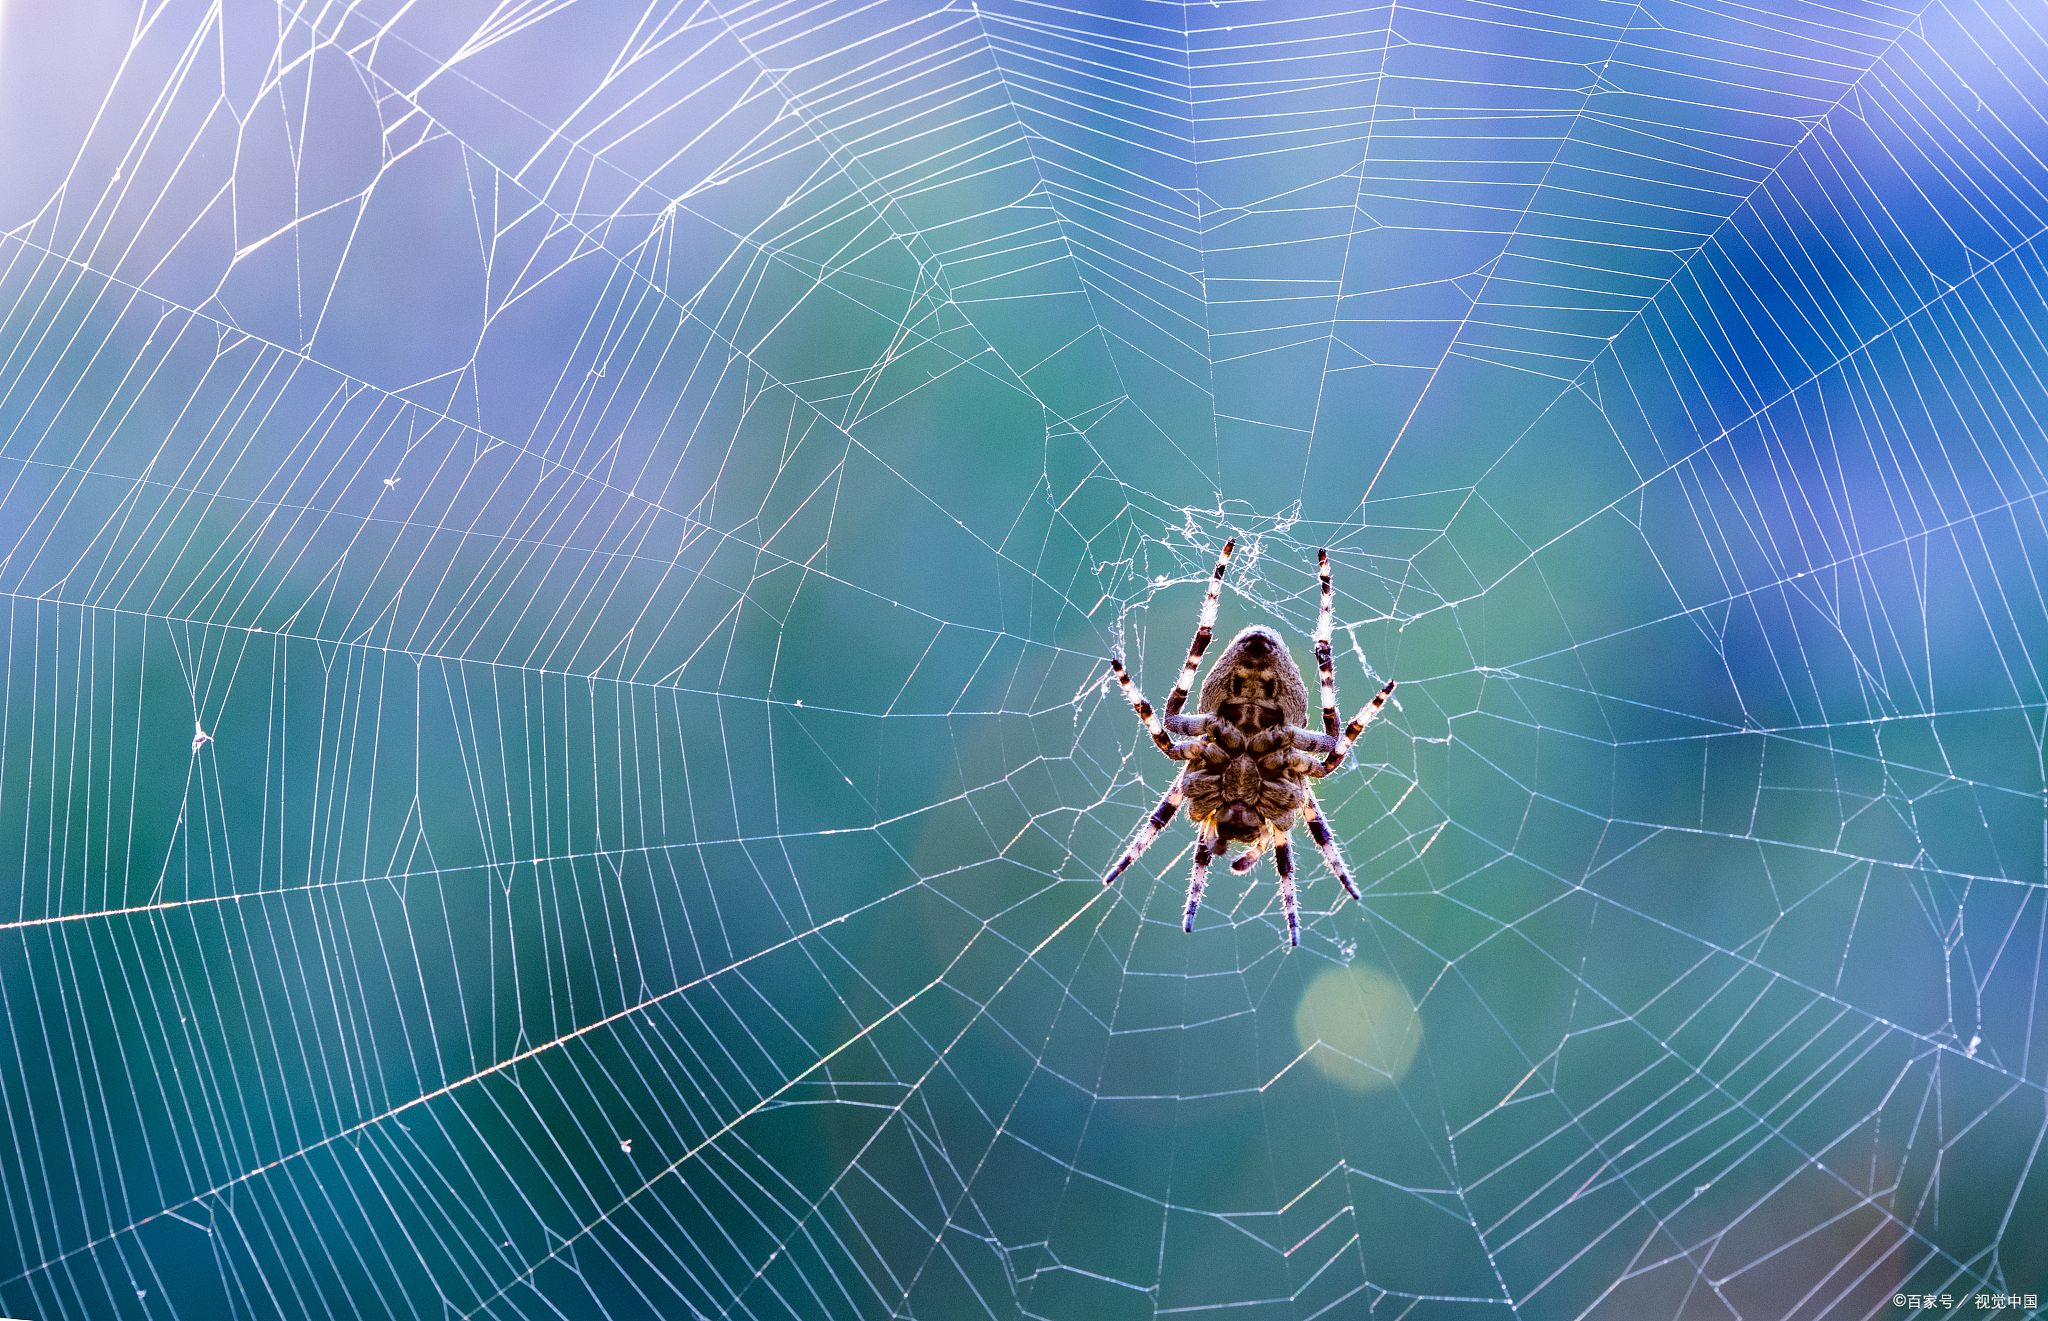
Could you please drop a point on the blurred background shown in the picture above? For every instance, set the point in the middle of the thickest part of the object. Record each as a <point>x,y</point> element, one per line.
<point>557,563</point>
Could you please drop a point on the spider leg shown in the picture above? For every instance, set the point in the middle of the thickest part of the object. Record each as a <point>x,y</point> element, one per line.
<point>1145,711</point>
<point>1250,857</point>
<point>1179,696</point>
<point>1354,729</point>
<point>1326,842</point>
<point>1325,661</point>
<point>1150,830</point>
<point>1283,863</point>
<point>1198,880</point>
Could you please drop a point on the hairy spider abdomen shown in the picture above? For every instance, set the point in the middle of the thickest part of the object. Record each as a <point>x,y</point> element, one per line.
<point>1254,684</point>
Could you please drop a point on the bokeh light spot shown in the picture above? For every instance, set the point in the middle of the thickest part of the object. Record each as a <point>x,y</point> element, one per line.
<point>1359,1027</point>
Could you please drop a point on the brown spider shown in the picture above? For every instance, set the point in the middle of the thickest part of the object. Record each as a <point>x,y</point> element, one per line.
<point>1249,760</point>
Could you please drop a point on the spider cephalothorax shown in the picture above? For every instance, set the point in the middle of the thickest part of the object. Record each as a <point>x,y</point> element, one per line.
<point>1248,757</point>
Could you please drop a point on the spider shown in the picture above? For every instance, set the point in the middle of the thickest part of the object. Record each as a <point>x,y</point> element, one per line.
<point>1248,758</point>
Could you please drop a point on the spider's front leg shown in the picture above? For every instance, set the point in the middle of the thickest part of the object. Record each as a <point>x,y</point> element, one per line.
<point>1205,629</point>
<point>1326,619</point>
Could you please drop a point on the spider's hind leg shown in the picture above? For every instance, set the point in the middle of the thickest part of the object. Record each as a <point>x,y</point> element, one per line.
<point>1148,832</point>
<point>1290,903</point>
<point>1326,843</point>
<point>1198,880</point>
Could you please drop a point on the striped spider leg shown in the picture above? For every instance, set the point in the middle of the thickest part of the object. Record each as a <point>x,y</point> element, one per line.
<point>1326,665</point>
<point>1281,844</point>
<point>1198,875</point>
<point>1354,729</point>
<point>1148,832</point>
<point>1204,630</point>
<point>1290,904</point>
<point>1326,843</point>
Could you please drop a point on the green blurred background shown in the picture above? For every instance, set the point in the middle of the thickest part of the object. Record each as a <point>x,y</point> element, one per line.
<point>558,566</point>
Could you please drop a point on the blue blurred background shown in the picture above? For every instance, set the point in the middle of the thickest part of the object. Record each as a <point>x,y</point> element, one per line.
<point>557,564</point>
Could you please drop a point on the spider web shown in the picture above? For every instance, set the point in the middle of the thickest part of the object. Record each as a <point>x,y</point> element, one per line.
<point>558,562</point>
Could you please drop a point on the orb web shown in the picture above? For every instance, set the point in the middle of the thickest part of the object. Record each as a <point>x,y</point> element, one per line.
<point>559,563</point>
